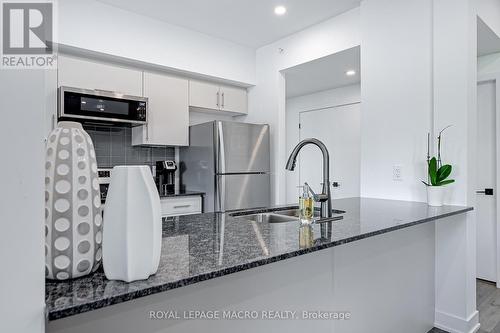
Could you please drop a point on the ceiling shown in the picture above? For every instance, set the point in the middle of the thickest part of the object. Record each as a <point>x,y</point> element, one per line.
<point>324,73</point>
<point>247,22</point>
<point>487,41</point>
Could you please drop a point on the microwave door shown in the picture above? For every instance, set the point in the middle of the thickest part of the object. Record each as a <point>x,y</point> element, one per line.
<point>95,105</point>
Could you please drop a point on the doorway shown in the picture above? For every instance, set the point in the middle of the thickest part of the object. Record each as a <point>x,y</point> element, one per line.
<point>486,180</point>
<point>339,128</point>
<point>323,101</point>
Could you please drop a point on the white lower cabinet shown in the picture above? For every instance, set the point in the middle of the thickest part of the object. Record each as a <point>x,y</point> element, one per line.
<point>185,205</point>
<point>168,112</point>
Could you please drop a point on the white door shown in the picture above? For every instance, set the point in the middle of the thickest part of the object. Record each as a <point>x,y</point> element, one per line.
<point>486,178</point>
<point>339,128</point>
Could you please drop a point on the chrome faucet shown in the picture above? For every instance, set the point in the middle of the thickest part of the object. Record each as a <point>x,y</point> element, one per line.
<point>325,198</point>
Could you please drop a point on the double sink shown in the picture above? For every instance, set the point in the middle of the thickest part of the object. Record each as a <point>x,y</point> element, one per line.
<point>288,214</point>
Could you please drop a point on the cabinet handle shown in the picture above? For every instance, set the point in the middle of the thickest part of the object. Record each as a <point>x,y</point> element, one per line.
<point>182,206</point>
<point>223,100</point>
<point>218,97</point>
<point>147,132</point>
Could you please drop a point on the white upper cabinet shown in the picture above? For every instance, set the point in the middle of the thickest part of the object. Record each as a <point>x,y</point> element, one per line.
<point>168,112</point>
<point>204,95</point>
<point>214,97</point>
<point>87,74</point>
<point>233,99</point>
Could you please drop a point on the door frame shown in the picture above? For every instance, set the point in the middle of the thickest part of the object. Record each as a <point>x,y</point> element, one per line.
<point>484,78</point>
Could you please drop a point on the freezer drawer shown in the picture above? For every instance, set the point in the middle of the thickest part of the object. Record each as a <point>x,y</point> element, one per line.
<point>242,191</point>
<point>241,147</point>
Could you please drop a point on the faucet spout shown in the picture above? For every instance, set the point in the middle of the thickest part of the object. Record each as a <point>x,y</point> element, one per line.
<point>325,197</point>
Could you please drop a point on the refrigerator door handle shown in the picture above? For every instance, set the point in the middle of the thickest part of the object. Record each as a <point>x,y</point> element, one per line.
<point>222,162</point>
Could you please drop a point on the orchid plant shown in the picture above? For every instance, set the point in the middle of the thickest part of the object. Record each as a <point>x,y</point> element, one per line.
<point>437,172</point>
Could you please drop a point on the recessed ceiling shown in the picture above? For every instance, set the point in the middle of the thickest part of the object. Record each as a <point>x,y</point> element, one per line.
<point>487,40</point>
<point>247,22</point>
<point>323,74</point>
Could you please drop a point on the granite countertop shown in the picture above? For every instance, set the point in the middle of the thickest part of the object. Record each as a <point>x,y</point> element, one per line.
<point>182,193</point>
<point>205,246</point>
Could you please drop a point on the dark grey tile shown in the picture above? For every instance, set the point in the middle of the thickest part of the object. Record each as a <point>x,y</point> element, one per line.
<point>118,160</point>
<point>496,329</point>
<point>118,131</point>
<point>113,146</point>
<point>483,290</point>
<point>142,154</point>
<point>102,141</point>
<point>488,304</point>
<point>104,161</point>
<point>158,154</point>
<point>170,154</point>
<point>489,310</point>
<point>437,330</point>
<point>117,146</point>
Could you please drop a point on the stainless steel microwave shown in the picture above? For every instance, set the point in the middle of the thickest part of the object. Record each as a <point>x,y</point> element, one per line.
<point>99,106</point>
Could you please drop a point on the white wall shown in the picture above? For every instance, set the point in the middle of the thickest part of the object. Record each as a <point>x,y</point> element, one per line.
<point>22,282</point>
<point>267,99</point>
<point>396,91</point>
<point>489,64</point>
<point>98,27</point>
<point>295,105</point>
<point>455,89</point>
<point>489,12</point>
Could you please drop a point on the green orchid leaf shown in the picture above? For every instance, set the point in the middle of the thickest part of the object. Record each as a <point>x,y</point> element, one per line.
<point>446,182</point>
<point>443,172</point>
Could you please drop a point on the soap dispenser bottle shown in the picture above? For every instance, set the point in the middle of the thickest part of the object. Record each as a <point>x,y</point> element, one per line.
<point>306,204</point>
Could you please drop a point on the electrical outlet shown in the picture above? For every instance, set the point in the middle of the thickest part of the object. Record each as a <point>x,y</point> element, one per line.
<point>397,172</point>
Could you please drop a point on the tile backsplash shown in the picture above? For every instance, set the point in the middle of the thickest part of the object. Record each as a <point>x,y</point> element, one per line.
<point>113,146</point>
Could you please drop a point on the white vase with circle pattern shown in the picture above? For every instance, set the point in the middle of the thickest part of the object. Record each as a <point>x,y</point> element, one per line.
<point>73,219</point>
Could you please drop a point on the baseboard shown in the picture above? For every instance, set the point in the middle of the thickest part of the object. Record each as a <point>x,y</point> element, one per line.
<point>454,324</point>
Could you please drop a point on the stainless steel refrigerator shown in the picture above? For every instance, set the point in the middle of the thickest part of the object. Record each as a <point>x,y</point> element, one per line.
<point>230,162</point>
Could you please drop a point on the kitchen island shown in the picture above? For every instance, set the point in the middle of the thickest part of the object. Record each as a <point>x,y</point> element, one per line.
<point>375,265</point>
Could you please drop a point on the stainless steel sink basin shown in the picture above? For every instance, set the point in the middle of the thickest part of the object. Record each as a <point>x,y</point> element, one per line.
<point>268,217</point>
<point>290,214</point>
<point>295,212</point>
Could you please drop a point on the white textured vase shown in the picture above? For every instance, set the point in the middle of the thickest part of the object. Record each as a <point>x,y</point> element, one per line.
<point>132,225</point>
<point>435,195</point>
<point>73,220</point>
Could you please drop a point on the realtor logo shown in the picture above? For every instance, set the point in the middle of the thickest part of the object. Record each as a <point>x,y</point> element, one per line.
<point>27,35</point>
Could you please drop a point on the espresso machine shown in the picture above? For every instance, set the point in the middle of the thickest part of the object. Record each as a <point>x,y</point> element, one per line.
<point>165,177</point>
